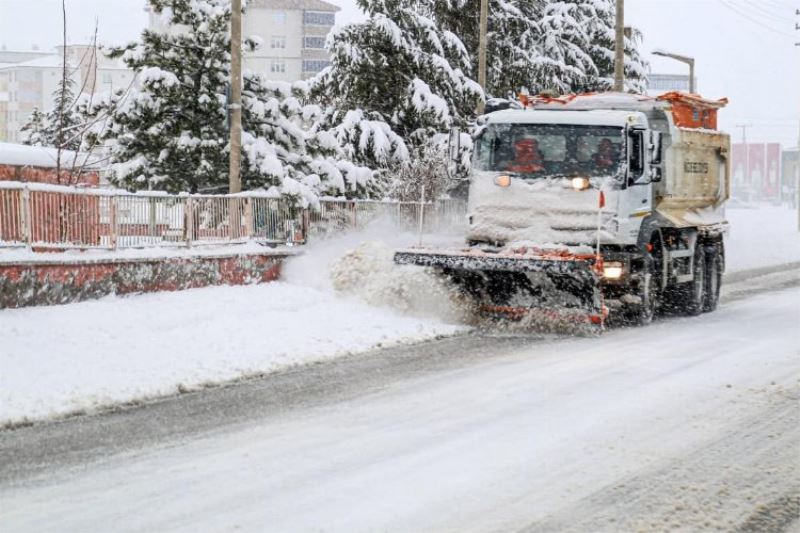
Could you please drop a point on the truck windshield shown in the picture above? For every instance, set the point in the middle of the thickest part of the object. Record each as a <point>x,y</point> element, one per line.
<point>545,150</point>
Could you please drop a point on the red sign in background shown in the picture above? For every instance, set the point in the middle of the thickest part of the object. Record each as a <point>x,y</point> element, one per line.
<point>739,174</point>
<point>757,174</point>
<point>772,182</point>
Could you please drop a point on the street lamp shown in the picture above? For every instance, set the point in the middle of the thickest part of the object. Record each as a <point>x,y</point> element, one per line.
<point>683,59</point>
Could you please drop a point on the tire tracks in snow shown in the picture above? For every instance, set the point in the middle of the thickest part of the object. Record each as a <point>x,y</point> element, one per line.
<point>752,463</point>
<point>31,453</point>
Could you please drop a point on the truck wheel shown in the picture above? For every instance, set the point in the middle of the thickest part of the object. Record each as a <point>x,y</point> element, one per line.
<point>713,279</point>
<point>642,313</point>
<point>694,295</point>
<point>647,292</point>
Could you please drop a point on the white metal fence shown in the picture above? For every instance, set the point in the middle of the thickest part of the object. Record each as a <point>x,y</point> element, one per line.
<point>57,217</point>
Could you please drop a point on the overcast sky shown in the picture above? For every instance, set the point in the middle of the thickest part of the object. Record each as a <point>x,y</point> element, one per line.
<point>744,48</point>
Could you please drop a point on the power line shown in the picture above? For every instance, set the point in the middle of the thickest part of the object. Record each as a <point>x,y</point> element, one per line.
<point>760,10</point>
<point>779,4</point>
<point>746,11</point>
<point>748,17</point>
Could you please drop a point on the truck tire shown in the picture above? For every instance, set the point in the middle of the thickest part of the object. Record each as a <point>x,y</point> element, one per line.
<point>645,312</point>
<point>713,278</point>
<point>694,292</point>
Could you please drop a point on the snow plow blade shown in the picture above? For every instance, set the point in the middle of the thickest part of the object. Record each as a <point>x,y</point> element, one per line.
<point>550,290</point>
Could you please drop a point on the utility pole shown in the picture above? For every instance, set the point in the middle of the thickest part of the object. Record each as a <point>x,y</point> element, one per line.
<point>235,104</point>
<point>482,46</point>
<point>619,49</point>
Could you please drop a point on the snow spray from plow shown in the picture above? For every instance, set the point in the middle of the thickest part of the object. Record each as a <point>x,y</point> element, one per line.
<point>553,290</point>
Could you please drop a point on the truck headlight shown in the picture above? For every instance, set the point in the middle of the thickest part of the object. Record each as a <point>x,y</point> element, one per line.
<point>612,270</point>
<point>580,184</point>
<point>502,181</point>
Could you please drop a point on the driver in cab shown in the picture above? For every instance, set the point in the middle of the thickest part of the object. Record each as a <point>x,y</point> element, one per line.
<point>606,155</point>
<point>527,157</point>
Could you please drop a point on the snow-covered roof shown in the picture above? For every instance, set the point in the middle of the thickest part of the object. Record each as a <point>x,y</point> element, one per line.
<point>20,155</point>
<point>56,61</point>
<point>595,117</point>
<point>49,61</point>
<point>608,100</point>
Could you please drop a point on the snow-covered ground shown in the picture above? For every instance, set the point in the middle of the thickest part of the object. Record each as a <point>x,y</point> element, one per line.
<point>762,237</point>
<point>61,359</point>
<point>687,425</point>
<point>56,360</point>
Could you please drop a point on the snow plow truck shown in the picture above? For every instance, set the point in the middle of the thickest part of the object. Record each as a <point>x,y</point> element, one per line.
<point>588,207</point>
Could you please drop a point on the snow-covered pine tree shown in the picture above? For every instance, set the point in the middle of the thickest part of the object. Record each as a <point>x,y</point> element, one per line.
<point>396,68</point>
<point>50,128</point>
<point>513,35</point>
<point>563,61</point>
<point>34,132</point>
<point>286,150</point>
<point>172,134</point>
<point>561,45</point>
<point>603,39</point>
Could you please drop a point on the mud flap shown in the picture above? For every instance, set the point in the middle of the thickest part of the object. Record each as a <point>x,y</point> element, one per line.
<point>546,291</point>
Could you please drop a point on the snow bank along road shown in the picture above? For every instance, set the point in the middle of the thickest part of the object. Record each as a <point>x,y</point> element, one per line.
<point>690,423</point>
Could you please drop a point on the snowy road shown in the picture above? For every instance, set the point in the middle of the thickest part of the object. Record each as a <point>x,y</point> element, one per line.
<point>692,423</point>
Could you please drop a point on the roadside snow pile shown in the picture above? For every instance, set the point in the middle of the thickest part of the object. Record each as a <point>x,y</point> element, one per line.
<point>85,356</point>
<point>761,237</point>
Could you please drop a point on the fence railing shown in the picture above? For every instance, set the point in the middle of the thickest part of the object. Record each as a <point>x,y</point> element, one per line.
<point>58,217</point>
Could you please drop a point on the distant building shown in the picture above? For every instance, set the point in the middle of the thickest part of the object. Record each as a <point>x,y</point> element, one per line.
<point>29,79</point>
<point>18,56</point>
<point>756,172</point>
<point>293,34</point>
<point>3,104</point>
<point>663,83</point>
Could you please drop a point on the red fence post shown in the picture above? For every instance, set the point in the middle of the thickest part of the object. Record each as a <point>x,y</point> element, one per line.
<point>112,222</point>
<point>25,214</point>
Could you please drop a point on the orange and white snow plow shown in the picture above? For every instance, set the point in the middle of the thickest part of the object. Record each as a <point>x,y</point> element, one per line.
<point>586,205</point>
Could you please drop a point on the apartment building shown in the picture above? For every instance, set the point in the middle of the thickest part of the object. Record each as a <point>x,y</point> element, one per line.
<point>29,79</point>
<point>8,58</point>
<point>293,34</point>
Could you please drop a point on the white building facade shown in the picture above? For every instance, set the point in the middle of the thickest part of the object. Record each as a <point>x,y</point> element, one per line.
<point>29,84</point>
<point>293,34</point>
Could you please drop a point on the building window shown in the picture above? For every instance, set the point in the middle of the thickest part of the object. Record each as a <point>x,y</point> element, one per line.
<point>315,65</point>
<point>277,66</point>
<point>279,17</point>
<point>319,18</point>
<point>314,42</point>
<point>106,78</point>
<point>278,41</point>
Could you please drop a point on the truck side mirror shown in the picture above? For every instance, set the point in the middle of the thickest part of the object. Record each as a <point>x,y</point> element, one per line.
<point>655,148</point>
<point>454,145</point>
<point>635,155</point>
<point>453,153</point>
